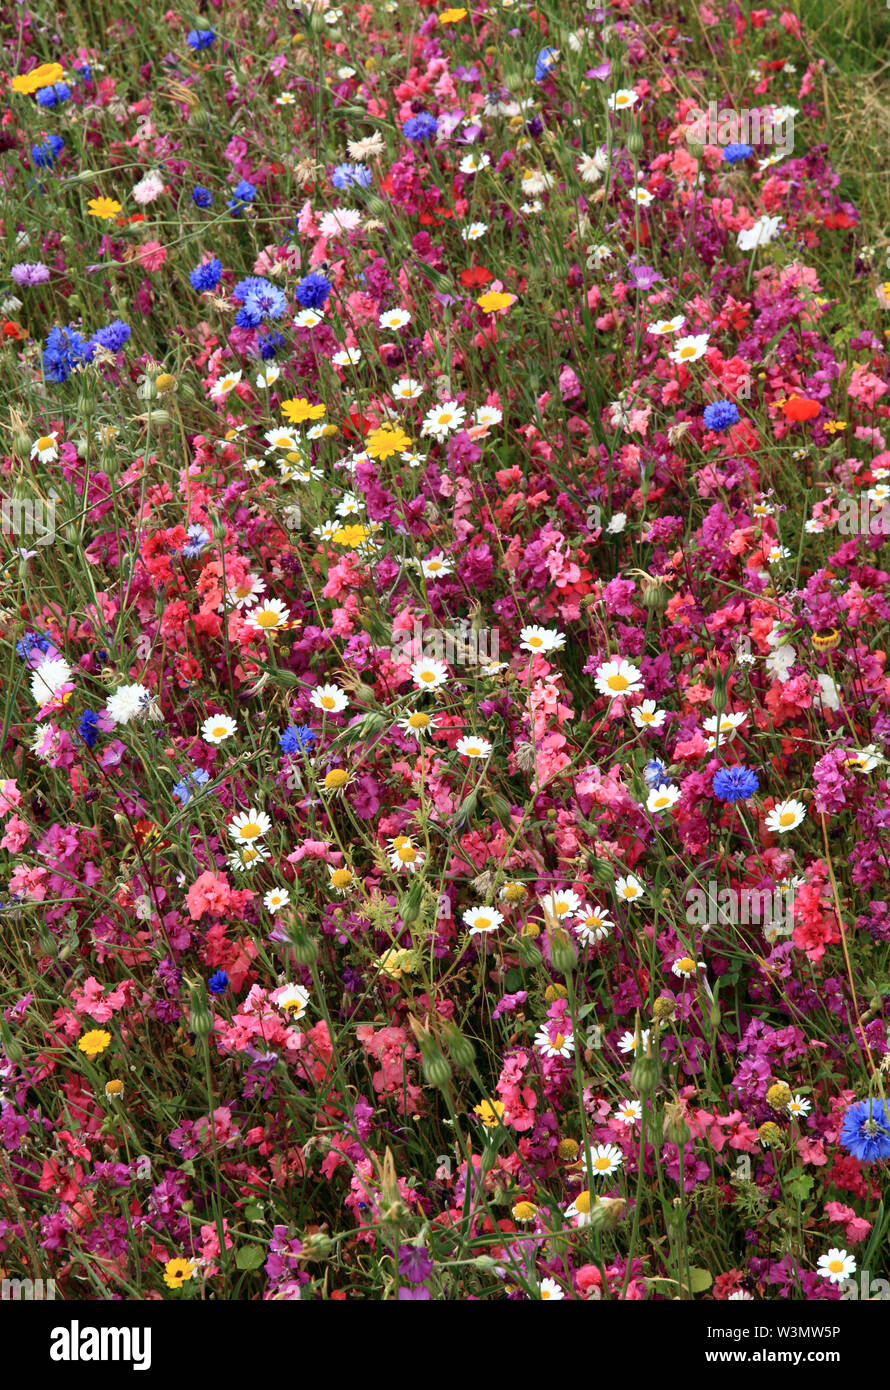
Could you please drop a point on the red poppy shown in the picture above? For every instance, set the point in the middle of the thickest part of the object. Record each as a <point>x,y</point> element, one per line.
<point>475,277</point>
<point>11,329</point>
<point>357,424</point>
<point>839,221</point>
<point>800,408</point>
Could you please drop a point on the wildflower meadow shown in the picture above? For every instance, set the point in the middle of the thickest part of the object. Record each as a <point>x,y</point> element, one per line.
<point>444,817</point>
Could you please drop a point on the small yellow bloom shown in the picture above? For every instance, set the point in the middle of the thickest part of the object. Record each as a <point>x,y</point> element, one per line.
<point>47,75</point>
<point>114,1089</point>
<point>494,300</point>
<point>834,426</point>
<point>351,535</point>
<point>298,410</point>
<point>95,1042</point>
<point>452,16</point>
<point>397,962</point>
<point>386,441</point>
<point>106,208</point>
<point>489,1112</point>
<point>335,779</point>
<point>177,1271</point>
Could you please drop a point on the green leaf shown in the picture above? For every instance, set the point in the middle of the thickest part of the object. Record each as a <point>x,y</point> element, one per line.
<point>250,1257</point>
<point>699,1280</point>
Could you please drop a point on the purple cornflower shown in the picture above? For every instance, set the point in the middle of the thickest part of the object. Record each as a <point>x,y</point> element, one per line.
<point>30,273</point>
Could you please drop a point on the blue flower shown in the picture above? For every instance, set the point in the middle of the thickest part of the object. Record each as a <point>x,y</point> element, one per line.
<point>735,783</point>
<point>86,72</point>
<point>53,96</point>
<point>546,59</point>
<point>866,1131</point>
<point>312,292</point>
<point>655,774</point>
<point>200,38</point>
<point>260,300</point>
<point>45,155</point>
<point>720,415</point>
<point>243,193</point>
<point>113,336</point>
<point>206,277</point>
<point>268,344</point>
<point>64,350</point>
<point>422,127</point>
<point>218,982</point>
<point>734,154</point>
<point>87,727</point>
<point>30,641</point>
<point>201,196</point>
<point>351,176</point>
<point>197,538</point>
<point>296,737</point>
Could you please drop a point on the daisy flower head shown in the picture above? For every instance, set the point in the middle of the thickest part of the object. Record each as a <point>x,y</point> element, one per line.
<point>268,615</point>
<point>690,349</point>
<point>629,888</point>
<point>592,923</point>
<point>662,799</point>
<point>407,388</point>
<point>639,195</point>
<point>627,1043</point>
<point>724,724</point>
<point>292,1000</point>
<point>217,728</point>
<point>94,1043</point>
<point>393,319</point>
<point>798,1106</point>
<point>443,420</point>
<point>340,878</point>
<point>382,443</point>
<point>536,639</point>
<point>663,326</point>
<point>246,858</point>
<point>785,816</point>
<point>554,1044</point>
<point>416,724</point>
<point>685,967</point>
<point>224,384</point>
<point>436,566</point>
<point>622,100</point>
<point>862,759</point>
<point>328,698</point>
<point>603,1160</point>
<point>404,855</point>
<point>276,899</point>
<point>177,1272</point>
<point>428,673</point>
<point>647,715</point>
<point>482,919</point>
<point>618,678</point>
<point>549,1289</point>
<point>247,826</point>
<point>629,1112</point>
<point>474,231</point>
<point>245,591</point>
<point>45,449</point>
<point>836,1266</point>
<point>473,748</point>
<point>561,903</point>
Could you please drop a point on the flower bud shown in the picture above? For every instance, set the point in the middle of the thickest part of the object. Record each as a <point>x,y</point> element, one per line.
<point>528,953</point>
<point>644,1075</point>
<point>304,946</point>
<point>460,1049</point>
<point>436,1067</point>
<point>200,1017</point>
<point>563,956</point>
<point>635,142</point>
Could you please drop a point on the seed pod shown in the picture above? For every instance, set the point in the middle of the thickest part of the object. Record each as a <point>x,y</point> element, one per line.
<point>304,946</point>
<point>200,1017</point>
<point>436,1067</point>
<point>460,1049</point>
<point>644,1075</point>
<point>563,956</point>
<point>635,142</point>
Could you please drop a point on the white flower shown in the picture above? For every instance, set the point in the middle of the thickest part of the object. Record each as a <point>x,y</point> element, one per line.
<point>407,389</point>
<point>799,1105</point>
<point>247,826</point>
<point>689,349</point>
<point>436,566</point>
<point>559,1045</point>
<point>292,1000</point>
<point>836,1266</point>
<point>45,449</point>
<point>276,899</point>
<point>404,854</point>
<point>482,919</point>
<point>472,163</point>
<point>269,614</point>
<point>760,234</point>
<point>629,1112</point>
<point>785,816</point>
<point>308,318</point>
<point>268,376</point>
<point>218,728</point>
<point>443,419</point>
<point>474,747</point>
<point>604,1160</point>
<point>148,188</point>
<point>488,415</point>
<point>282,439</point>
<point>592,924</point>
<point>126,702</point>
<point>224,385</point>
<point>641,196</point>
<point>861,760</point>
<point>647,715</point>
<point>618,678</point>
<point>347,357</point>
<point>541,639</point>
<point>49,678</point>
<point>245,591</point>
<point>629,888</point>
<point>662,326</point>
<point>428,673</point>
<point>338,221</point>
<point>549,1289</point>
<point>247,857</point>
<point>622,99</point>
<point>685,966</point>
<point>662,798</point>
<point>329,698</point>
<point>724,724</point>
<point>618,520</point>
<point>561,903</point>
<point>627,1042</point>
<point>474,231</point>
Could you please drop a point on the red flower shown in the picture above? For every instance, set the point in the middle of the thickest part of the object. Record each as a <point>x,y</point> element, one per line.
<point>800,408</point>
<point>475,277</point>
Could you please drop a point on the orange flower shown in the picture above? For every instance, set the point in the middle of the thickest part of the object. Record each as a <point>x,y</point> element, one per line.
<point>105,208</point>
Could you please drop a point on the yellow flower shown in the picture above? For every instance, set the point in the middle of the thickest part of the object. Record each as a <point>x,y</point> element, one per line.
<point>397,962</point>
<point>495,299</point>
<point>114,1089</point>
<point>47,75</point>
<point>297,410</point>
<point>833,426</point>
<point>489,1112</point>
<point>177,1271</point>
<point>105,208</point>
<point>351,535</point>
<point>386,441</point>
<point>335,779</point>
<point>94,1042</point>
<point>452,16</point>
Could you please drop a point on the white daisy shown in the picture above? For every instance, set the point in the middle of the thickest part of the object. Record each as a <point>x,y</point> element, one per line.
<point>592,923</point>
<point>690,349</point>
<point>428,673</point>
<point>618,678</point>
<point>629,889</point>
<point>541,639</point>
<point>443,420</point>
<point>394,318</point>
<point>217,728</point>
<point>836,1266</point>
<point>329,698</point>
<point>474,747</point>
<point>482,919</point>
<point>561,903</point>
<point>268,615</point>
<point>647,715</point>
<point>662,799</point>
<point>785,816</point>
<point>276,899</point>
<point>247,826</point>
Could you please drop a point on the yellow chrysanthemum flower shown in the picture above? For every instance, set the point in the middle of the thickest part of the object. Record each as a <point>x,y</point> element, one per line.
<point>46,75</point>
<point>105,208</point>
<point>386,441</point>
<point>94,1042</point>
<point>177,1271</point>
<point>297,410</point>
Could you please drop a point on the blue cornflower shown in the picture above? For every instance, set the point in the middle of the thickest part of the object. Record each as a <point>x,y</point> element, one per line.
<point>200,776</point>
<point>201,196</point>
<point>260,300</point>
<point>113,336</point>
<point>720,415</point>
<point>64,350</point>
<point>312,292</point>
<point>197,538</point>
<point>218,982</point>
<point>242,194</point>
<point>422,127</point>
<point>200,38</point>
<point>655,774</point>
<point>45,155</point>
<point>351,176</point>
<point>30,641</point>
<point>296,737</point>
<point>206,277</point>
<point>866,1131</point>
<point>86,72</point>
<point>546,59</point>
<point>735,783</point>
<point>268,344</point>
<point>87,727</point>
<point>734,154</point>
<point>54,96</point>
